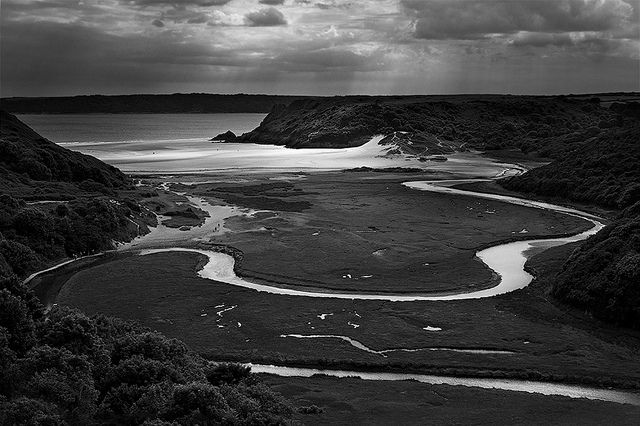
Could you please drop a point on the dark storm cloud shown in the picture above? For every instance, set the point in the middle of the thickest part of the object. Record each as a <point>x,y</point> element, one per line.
<point>53,58</point>
<point>324,60</point>
<point>476,19</point>
<point>271,2</point>
<point>328,6</point>
<point>157,23</point>
<point>201,18</point>
<point>268,17</point>
<point>178,4</point>
<point>542,40</point>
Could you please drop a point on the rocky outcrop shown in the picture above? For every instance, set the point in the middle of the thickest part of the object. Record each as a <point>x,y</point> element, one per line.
<point>227,136</point>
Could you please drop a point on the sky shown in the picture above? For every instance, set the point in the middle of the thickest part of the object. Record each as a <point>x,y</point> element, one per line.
<point>318,47</point>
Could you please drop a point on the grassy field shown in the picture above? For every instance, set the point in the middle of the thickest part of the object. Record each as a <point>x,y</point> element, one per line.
<point>368,226</point>
<point>413,228</point>
<point>336,224</point>
<point>355,401</point>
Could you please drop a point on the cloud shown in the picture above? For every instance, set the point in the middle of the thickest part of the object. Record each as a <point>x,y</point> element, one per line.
<point>268,17</point>
<point>333,5</point>
<point>201,18</point>
<point>324,60</point>
<point>271,2</point>
<point>157,23</point>
<point>476,19</point>
<point>177,4</point>
<point>541,39</point>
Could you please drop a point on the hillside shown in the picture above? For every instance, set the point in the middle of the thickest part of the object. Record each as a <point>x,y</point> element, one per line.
<point>546,126</point>
<point>145,104</point>
<point>56,203</point>
<point>602,170</point>
<point>63,368</point>
<point>594,144</point>
<point>602,277</point>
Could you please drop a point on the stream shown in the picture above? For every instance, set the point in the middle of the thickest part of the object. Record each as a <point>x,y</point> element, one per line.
<point>506,260</point>
<point>544,388</point>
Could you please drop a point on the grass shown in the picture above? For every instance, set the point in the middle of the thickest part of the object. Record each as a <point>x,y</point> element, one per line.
<point>355,401</point>
<point>223,322</point>
<point>163,291</point>
<point>424,242</point>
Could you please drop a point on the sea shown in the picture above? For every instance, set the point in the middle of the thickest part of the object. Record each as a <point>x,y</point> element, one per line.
<point>96,128</point>
<point>180,143</point>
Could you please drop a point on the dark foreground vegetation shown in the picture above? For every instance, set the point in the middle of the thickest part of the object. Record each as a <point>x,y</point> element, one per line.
<point>602,277</point>
<point>64,368</point>
<point>56,203</point>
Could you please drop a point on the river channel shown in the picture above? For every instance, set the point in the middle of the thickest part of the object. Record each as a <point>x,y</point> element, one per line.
<point>506,260</point>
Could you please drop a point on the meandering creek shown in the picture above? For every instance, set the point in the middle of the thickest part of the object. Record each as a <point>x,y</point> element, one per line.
<point>507,260</point>
<point>544,388</point>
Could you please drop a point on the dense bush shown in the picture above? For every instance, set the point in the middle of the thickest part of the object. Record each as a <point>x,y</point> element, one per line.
<point>603,170</point>
<point>599,167</point>
<point>67,368</point>
<point>540,125</point>
<point>87,217</point>
<point>602,276</point>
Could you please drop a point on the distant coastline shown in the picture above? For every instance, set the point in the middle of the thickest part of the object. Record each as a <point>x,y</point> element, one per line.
<point>192,103</point>
<point>206,103</point>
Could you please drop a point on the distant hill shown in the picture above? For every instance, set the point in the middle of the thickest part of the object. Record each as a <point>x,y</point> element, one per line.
<point>547,126</point>
<point>603,170</point>
<point>56,203</point>
<point>146,104</point>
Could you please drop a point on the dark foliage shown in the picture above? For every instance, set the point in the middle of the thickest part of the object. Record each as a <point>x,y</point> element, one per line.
<point>83,213</point>
<point>602,170</point>
<point>602,276</point>
<point>64,368</point>
<point>67,368</point>
<point>25,152</point>
<point>548,126</point>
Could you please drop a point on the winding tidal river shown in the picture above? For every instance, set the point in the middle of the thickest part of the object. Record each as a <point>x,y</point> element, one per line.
<point>506,260</point>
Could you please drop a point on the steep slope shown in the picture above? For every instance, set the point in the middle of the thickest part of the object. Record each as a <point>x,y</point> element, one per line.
<point>56,203</point>
<point>602,276</point>
<point>602,170</point>
<point>25,152</point>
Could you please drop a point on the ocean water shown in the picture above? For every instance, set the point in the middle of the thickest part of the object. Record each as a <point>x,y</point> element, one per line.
<point>95,128</point>
<point>179,143</point>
